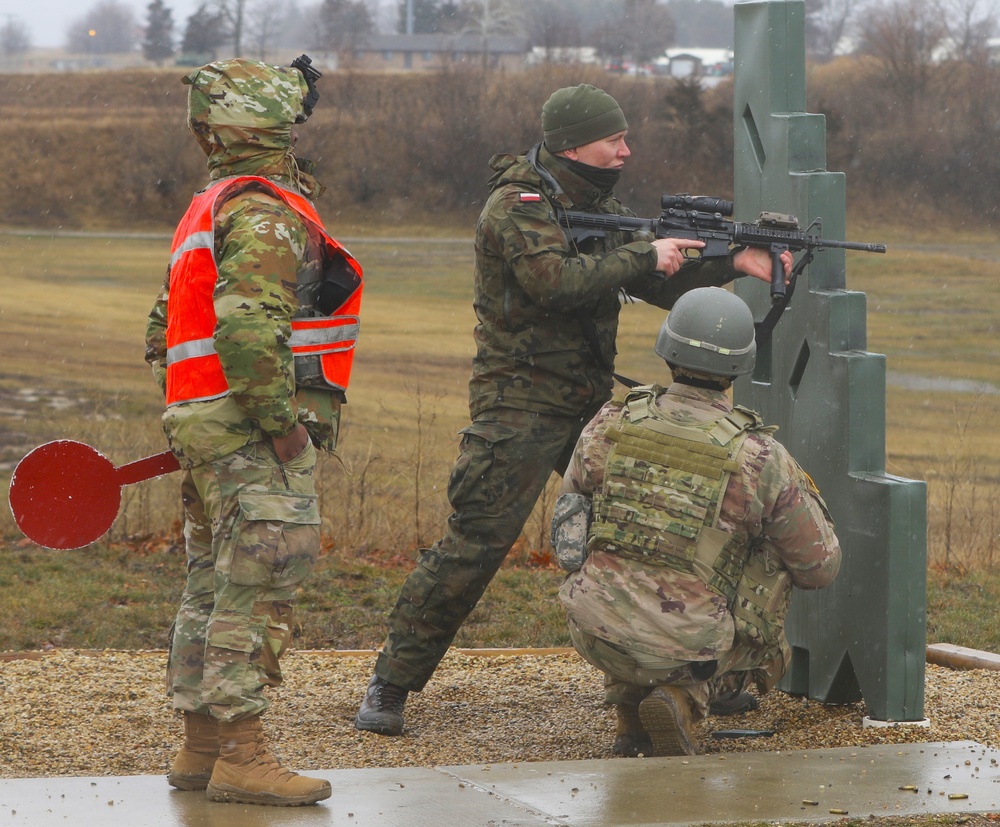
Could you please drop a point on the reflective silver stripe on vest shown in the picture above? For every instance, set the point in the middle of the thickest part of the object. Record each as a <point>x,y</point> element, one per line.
<point>343,337</point>
<point>195,241</point>
<point>189,350</point>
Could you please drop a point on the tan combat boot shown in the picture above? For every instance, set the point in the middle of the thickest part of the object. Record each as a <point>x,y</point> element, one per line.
<point>247,772</point>
<point>631,738</point>
<point>192,768</point>
<point>666,715</point>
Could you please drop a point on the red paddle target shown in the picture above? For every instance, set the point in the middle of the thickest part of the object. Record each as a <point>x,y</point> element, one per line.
<point>65,494</point>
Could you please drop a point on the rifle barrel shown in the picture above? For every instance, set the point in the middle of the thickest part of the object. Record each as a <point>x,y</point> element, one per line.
<point>864,246</point>
<point>748,233</point>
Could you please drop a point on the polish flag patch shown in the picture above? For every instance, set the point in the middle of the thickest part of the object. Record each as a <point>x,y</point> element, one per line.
<point>529,196</point>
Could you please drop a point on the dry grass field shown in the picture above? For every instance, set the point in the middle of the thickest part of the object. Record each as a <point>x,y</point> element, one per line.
<point>72,317</point>
<point>72,314</point>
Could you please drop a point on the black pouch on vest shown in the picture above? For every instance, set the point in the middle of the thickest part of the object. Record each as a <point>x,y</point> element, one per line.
<point>339,282</point>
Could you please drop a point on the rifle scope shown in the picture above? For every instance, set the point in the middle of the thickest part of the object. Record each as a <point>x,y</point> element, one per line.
<point>702,203</point>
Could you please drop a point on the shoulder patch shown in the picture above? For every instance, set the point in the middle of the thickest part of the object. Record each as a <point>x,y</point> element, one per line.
<point>528,196</point>
<point>812,485</point>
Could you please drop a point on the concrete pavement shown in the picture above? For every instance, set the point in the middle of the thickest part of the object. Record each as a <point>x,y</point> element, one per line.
<point>809,785</point>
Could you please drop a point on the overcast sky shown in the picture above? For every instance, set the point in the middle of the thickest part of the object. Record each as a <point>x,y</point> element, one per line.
<point>47,19</point>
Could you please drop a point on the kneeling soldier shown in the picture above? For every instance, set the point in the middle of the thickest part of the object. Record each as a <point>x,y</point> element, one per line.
<point>684,525</point>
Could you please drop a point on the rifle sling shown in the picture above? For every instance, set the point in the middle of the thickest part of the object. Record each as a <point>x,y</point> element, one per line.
<point>590,336</point>
<point>764,328</point>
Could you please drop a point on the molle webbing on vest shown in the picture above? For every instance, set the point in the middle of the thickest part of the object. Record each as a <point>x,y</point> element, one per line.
<point>682,454</point>
<point>659,504</point>
<point>657,496</point>
<point>662,492</point>
<point>761,599</point>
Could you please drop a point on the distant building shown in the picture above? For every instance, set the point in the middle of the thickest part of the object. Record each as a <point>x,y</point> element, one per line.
<point>562,55</point>
<point>709,65</point>
<point>950,49</point>
<point>414,52</point>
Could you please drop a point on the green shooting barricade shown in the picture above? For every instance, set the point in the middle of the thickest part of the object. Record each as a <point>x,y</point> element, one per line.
<point>864,637</point>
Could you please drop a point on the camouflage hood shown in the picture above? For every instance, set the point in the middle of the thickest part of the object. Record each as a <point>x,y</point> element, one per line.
<point>242,113</point>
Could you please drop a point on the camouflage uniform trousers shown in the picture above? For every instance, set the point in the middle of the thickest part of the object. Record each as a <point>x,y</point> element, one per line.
<point>505,460</point>
<point>630,676</point>
<point>252,532</point>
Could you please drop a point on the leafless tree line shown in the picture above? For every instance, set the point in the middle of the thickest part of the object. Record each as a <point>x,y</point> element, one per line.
<point>902,33</point>
<point>402,146</point>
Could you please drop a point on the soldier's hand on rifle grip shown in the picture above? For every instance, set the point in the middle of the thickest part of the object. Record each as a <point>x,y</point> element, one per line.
<point>670,253</point>
<point>757,262</point>
<point>781,268</point>
<point>777,277</point>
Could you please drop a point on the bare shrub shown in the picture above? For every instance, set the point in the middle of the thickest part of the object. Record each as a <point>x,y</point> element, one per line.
<point>930,150</point>
<point>964,502</point>
<point>374,500</point>
<point>120,152</point>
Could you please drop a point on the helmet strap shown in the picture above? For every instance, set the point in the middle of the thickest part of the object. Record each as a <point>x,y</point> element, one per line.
<point>700,380</point>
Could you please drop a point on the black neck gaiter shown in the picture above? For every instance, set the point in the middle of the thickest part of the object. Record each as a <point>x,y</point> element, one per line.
<point>604,179</point>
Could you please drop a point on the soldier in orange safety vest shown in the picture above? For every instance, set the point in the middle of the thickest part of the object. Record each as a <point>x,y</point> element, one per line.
<point>251,340</point>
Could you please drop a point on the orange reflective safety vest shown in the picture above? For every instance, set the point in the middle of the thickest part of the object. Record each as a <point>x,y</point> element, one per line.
<point>194,371</point>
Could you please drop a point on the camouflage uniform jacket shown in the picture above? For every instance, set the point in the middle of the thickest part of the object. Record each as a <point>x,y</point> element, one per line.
<point>539,296</point>
<point>666,613</point>
<point>261,245</point>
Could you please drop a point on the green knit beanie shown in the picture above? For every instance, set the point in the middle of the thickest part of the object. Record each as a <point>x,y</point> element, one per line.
<point>578,115</point>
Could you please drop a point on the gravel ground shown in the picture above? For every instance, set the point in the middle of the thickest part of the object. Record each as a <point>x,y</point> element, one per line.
<point>72,713</point>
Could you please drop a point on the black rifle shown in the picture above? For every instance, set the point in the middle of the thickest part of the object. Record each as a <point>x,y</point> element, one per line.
<point>703,218</point>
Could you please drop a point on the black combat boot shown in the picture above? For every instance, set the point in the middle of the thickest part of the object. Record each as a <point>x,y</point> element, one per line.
<point>382,708</point>
<point>732,703</point>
